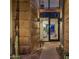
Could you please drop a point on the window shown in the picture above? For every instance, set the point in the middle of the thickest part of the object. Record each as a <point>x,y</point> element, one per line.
<point>53,3</point>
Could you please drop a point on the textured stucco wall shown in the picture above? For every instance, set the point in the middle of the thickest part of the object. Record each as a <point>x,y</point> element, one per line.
<point>27,14</point>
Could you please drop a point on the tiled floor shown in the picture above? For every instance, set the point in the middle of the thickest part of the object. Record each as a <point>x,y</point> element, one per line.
<point>49,53</point>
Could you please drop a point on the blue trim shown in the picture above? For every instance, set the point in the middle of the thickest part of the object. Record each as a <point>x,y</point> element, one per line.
<point>52,14</point>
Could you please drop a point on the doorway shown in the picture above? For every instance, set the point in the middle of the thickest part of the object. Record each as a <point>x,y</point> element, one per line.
<point>49,22</point>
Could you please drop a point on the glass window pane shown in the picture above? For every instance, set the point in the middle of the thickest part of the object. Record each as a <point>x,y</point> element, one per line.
<point>54,3</point>
<point>44,3</point>
<point>44,30</point>
<point>53,29</point>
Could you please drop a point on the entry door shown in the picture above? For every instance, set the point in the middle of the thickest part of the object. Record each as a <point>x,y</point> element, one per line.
<point>44,29</point>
